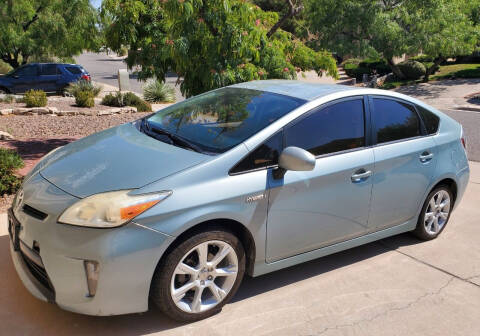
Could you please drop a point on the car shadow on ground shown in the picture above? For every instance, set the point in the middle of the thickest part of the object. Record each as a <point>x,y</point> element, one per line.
<point>21,313</point>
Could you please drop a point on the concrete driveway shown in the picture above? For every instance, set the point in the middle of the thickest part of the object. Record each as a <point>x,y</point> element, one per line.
<point>398,286</point>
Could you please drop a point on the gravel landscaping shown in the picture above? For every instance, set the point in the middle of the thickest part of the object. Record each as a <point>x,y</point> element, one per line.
<point>36,135</point>
<point>61,103</point>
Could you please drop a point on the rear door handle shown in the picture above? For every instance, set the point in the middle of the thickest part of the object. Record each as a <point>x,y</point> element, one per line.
<point>361,175</point>
<point>425,157</point>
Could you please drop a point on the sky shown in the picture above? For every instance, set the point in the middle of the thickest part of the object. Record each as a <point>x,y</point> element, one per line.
<point>96,3</point>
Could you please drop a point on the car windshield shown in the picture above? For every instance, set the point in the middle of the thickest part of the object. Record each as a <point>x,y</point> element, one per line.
<point>219,120</point>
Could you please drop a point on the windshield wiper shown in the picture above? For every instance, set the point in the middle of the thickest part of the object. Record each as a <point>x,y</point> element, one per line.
<point>152,131</point>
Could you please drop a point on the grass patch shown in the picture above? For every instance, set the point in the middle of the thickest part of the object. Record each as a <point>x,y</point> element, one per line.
<point>398,83</point>
<point>467,70</point>
<point>458,71</point>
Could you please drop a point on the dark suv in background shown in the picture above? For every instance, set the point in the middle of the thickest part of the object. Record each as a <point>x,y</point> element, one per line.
<point>49,77</point>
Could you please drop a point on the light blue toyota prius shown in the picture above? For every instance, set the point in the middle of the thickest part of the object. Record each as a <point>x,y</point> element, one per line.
<point>176,207</point>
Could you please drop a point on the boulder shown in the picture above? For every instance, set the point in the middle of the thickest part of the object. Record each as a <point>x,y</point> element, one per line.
<point>6,111</point>
<point>5,136</point>
<point>22,110</point>
<point>40,110</point>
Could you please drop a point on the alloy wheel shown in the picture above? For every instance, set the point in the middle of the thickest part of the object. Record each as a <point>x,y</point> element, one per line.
<point>204,276</point>
<point>437,211</point>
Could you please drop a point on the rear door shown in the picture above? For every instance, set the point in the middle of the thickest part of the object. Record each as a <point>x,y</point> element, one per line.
<point>48,78</point>
<point>405,159</point>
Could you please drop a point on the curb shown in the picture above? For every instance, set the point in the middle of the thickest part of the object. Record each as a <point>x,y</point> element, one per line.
<point>467,108</point>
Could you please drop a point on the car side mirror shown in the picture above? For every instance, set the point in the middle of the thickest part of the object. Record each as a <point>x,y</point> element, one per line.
<point>296,159</point>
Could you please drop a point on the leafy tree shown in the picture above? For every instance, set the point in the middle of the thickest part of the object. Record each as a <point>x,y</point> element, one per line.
<point>290,13</point>
<point>391,28</point>
<point>210,43</point>
<point>42,29</point>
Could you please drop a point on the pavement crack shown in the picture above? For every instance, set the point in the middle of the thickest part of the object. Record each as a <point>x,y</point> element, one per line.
<point>381,242</point>
<point>393,309</point>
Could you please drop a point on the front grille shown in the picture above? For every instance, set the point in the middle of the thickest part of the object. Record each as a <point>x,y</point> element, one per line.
<point>38,272</point>
<point>34,212</point>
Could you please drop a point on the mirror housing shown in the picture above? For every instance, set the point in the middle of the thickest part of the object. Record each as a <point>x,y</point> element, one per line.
<point>295,159</point>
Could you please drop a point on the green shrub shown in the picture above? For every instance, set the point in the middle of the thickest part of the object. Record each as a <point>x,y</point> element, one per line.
<point>356,71</point>
<point>5,67</point>
<point>35,98</point>
<point>84,99</point>
<point>84,92</point>
<point>123,51</point>
<point>143,106</point>
<point>378,66</point>
<point>113,100</point>
<point>126,99</point>
<point>9,162</point>
<point>83,85</point>
<point>158,92</point>
<point>412,69</point>
<point>20,100</point>
<point>357,68</point>
<point>427,62</point>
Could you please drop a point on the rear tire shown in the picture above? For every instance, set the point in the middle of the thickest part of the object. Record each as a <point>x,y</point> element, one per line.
<point>199,276</point>
<point>435,213</point>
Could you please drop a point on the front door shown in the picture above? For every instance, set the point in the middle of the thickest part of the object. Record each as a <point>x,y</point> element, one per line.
<point>310,210</point>
<point>404,162</point>
<point>25,78</point>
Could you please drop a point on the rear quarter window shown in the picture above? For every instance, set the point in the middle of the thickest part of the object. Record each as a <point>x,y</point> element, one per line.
<point>430,119</point>
<point>74,70</point>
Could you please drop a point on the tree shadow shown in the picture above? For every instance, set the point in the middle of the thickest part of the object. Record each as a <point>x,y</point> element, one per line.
<point>27,313</point>
<point>34,149</point>
<point>434,89</point>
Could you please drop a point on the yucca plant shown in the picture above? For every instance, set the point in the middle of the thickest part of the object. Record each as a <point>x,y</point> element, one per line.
<point>156,91</point>
<point>83,85</point>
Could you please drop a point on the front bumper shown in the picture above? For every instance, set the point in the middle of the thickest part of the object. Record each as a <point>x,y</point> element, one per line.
<point>127,256</point>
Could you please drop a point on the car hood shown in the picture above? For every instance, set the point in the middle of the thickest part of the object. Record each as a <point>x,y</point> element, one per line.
<point>115,159</point>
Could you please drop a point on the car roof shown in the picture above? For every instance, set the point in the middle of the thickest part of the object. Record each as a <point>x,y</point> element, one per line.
<point>69,64</point>
<point>295,88</point>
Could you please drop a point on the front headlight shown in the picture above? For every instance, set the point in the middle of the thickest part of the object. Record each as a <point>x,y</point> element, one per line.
<point>110,209</point>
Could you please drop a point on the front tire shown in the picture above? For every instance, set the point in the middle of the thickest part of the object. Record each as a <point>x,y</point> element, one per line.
<point>199,276</point>
<point>435,213</point>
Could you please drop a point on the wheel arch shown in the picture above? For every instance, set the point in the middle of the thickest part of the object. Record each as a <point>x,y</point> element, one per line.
<point>451,183</point>
<point>235,227</point>
<point>4,88</point>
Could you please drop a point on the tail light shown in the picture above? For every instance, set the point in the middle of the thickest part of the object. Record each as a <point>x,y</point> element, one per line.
<point>86,77</point>
<point>463,140</point>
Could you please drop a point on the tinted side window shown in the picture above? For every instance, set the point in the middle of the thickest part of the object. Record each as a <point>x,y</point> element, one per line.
<point>265,155</point>
<point>49,70</point>
<point>74,70</point>
<point>394,120</point>
<point>27,71</point>
<point>331,129</point>
<point>430,120</point>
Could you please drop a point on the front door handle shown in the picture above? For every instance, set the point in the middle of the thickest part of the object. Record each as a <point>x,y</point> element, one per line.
<point>361,175</point>
<point>425,157</point>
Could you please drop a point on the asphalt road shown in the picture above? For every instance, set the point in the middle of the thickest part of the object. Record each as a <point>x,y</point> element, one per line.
<point>104,69</point>
<point>471,125</point>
